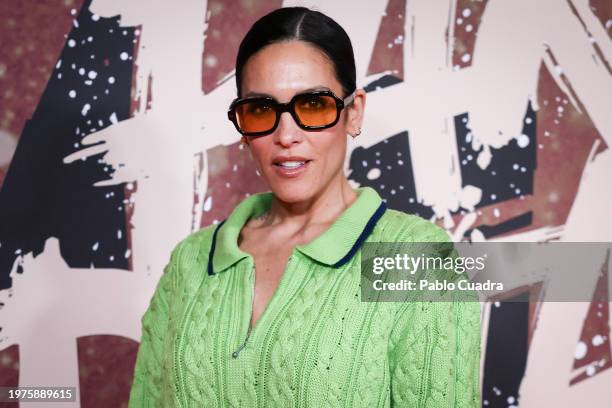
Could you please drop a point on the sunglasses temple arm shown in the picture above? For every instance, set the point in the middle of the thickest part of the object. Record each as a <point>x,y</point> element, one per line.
<point>349,99</point>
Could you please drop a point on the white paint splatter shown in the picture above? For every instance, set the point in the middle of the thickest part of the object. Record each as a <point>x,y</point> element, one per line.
<point>373,174</point>
<point>522,140</point>
<point>597,340</point>
<point>470,196</point>
<point>211,61</point>
<point>208,203</point>
<point>484,157</point>
<point>85,109</point>
<point>581,350</point>
<point>8,144</point>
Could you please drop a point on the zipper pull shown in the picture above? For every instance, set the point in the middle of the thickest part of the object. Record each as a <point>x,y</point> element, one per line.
<point>237,352</point>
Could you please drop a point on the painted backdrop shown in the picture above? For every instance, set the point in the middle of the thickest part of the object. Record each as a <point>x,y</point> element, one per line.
<point>492,118</point>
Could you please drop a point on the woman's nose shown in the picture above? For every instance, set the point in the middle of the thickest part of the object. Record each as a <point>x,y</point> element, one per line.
<point>287,132</point>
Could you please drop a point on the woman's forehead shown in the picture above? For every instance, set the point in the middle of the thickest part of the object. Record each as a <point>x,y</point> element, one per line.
<point>286,68</point>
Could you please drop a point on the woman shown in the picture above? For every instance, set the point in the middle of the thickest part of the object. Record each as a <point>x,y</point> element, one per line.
<point>264,309</point>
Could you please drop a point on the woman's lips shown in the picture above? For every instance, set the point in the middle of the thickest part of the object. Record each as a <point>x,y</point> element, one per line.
<point>291,172</point>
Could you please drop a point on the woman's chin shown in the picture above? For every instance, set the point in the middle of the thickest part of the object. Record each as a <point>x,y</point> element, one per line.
<point>292,192</point>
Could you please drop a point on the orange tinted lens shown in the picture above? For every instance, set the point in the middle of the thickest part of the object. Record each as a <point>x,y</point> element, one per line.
<point>255,116</point>
<point>316,110</point>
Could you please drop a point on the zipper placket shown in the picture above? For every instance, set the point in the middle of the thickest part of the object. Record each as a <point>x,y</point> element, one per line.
<point>236,352</point>
<point>267,339</point>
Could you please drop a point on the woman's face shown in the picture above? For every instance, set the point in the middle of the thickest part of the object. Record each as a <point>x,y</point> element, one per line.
<point>282,70</point>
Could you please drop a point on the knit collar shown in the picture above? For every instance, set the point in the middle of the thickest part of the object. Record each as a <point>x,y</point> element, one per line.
<point>334,247</point>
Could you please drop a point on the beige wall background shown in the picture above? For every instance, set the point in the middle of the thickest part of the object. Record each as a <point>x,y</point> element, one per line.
<point>176,161</point>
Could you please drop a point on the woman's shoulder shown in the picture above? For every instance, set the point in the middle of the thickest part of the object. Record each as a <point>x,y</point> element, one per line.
<point>398,226</point>
<point>194,247</point>
<point>201,236</point>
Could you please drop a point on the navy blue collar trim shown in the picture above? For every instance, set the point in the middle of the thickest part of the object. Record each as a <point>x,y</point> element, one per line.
<point>212,249</point>
<point>367,230</point>
<point>362,237</point>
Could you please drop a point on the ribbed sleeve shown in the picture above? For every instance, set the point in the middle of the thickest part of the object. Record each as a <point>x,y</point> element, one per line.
<point>435,354</point>
<point>434,347</point>
<point>150,371</point>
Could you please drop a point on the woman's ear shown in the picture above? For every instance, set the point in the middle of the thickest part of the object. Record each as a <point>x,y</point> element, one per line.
<point>355,112</point>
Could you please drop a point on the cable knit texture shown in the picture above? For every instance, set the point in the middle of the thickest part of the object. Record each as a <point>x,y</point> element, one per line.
<point>316,344</point>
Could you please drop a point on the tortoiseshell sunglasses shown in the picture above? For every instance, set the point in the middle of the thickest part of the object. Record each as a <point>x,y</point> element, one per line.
<point>259,116</point>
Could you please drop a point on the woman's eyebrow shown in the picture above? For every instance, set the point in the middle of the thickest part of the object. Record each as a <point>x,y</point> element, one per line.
<point>249,94</point>
<point>316,88</point>
<point>311,89</point>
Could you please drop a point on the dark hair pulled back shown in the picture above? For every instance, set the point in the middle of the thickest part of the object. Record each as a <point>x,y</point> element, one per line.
<point>301,24</point>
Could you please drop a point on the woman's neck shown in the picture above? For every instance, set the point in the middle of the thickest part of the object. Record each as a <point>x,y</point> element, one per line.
<point>322,208</point>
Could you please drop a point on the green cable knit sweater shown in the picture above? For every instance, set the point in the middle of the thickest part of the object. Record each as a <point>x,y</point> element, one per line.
<point>316,344</point>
